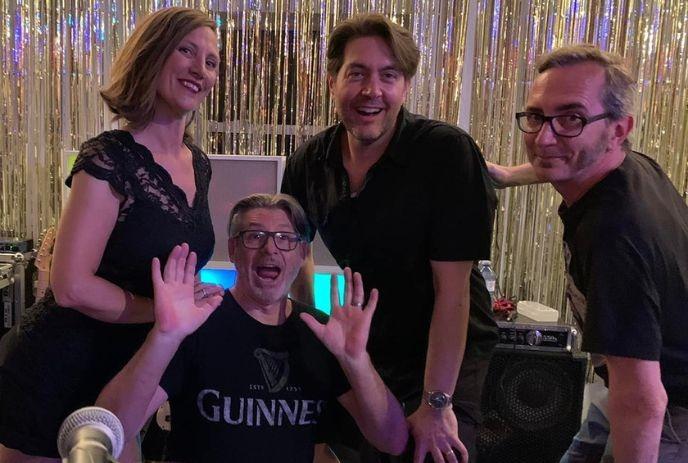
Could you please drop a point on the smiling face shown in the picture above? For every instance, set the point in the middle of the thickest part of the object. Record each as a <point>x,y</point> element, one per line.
<point>188,74</point>
<point>368,91</point>
<point>265,275</point>
<point>566,162</point>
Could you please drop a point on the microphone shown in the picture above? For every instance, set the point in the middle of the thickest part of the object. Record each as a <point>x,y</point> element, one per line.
<point>90,435</point>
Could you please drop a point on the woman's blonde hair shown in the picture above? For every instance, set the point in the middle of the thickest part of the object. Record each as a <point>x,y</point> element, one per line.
<point>131,93</point>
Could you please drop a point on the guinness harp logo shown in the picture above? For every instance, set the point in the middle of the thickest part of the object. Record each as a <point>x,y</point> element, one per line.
<point>275,367</point>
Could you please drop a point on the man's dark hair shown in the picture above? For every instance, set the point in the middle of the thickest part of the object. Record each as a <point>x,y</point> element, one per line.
<point>398,39</point>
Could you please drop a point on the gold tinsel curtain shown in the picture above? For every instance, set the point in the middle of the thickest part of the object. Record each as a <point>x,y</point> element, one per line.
<point>510,35</point>
<point>272,94</point>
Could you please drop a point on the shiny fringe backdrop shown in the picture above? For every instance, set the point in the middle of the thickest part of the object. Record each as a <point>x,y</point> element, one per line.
<point>510,34</point>
<point>272,94</point>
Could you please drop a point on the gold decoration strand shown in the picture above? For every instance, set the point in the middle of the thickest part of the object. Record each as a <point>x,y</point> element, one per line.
<point>56,54</point>
<point>272,94</point>
<point>510,35</point>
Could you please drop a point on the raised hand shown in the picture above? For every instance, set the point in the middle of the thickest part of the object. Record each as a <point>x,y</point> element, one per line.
<point>176,312</point>
<point>346,332</point>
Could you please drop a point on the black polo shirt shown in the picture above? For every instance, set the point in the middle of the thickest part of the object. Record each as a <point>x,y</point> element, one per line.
<point>428,198</point>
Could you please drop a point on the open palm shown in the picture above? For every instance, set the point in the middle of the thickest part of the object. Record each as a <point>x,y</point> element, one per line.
<point>176,312</point>
<point>346,332</point>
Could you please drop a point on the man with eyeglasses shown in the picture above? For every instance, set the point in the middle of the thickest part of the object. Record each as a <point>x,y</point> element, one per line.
<point>249,381</point>
<point>626,250</point>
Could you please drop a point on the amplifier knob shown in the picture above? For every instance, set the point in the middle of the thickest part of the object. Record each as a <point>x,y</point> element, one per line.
<point>534,338</point>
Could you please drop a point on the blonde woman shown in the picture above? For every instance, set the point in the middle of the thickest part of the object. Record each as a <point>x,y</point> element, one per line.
<point>136,193</point>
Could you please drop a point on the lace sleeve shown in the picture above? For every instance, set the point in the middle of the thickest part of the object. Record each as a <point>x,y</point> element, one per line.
<point>100,159</point>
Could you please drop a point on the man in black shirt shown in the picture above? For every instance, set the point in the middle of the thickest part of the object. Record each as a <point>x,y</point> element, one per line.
<point>251,379</point>
<point>626,250</point>
<point>406,202</point>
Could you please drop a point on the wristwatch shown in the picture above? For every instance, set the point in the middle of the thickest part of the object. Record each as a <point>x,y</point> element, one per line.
<point>437,399</point>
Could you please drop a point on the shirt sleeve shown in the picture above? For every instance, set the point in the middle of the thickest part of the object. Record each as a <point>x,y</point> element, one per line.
<point>623,308</point>
<point>101,160</point>
<point>463,200</point>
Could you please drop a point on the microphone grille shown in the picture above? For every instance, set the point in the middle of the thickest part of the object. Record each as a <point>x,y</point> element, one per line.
<point>97,417</point>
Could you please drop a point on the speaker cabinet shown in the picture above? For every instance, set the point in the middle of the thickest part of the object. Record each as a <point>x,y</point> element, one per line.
<point>531,405</point>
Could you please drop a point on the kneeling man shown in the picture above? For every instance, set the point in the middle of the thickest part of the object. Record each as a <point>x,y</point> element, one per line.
<point>249,381</point>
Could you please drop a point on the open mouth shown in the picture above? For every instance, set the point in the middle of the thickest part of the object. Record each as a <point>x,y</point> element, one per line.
<point>191,86</point>
<point>268,272</point>
<point>368,111</point>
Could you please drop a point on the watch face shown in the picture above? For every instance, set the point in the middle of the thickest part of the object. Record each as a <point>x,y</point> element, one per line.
<point>437,399</point>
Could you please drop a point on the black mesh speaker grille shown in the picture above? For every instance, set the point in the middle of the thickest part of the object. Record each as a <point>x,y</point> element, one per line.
<point>531,406</point>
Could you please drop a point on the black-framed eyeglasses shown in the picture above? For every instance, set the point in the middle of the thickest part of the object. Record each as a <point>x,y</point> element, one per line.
<point>256,239</point>
<point>564,125</point>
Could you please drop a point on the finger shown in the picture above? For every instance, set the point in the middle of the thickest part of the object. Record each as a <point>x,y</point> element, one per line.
<point>155,272</point>
<point>197,278</point>
<point>369,310</point>
<point>171,264</point>
<point>181,263</point>
<point>190,268</point>
<point>437,455</point>
<point>450,456</point>
<point>217,289</point>
<point>358,293</point>
<point>371,305</point>
<point>347,286</point>
<point>334,291</point>
<point>419,451</point>
<point>461,449</point>
<point>316,327</point>
<point>211,303</point>
<point>209,289</point>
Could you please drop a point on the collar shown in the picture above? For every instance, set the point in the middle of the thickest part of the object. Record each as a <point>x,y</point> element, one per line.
<point>393,152</point>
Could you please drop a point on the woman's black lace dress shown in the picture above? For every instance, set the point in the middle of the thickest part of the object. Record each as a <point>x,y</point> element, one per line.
<point>60,358</point>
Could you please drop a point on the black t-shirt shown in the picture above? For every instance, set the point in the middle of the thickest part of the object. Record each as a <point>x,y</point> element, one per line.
<point>626,247</point>
<point>244,391</point>
<point>427,198</point>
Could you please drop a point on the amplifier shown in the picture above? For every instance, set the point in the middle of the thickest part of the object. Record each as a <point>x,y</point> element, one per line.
<point>17,294</point>
<point>531,405</point>
<point>538,336</point>
<point>13,244</point>
<point>6,275</point>
<point>6,284</point>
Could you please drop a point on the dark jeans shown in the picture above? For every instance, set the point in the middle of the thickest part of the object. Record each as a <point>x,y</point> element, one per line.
<point>351,447</point>
<point>592,444</point>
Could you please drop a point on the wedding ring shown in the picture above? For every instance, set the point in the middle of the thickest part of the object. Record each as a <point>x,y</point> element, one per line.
<point>203,292</point>
<point>357,304</point>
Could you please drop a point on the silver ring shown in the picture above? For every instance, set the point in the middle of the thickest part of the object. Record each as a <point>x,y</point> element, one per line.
<point>448,452</point>
<point>204,294</point>
<point>357,304</point>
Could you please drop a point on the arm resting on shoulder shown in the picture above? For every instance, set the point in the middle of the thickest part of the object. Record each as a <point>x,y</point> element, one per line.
<point>637,403</point>
<point>85,227</point>
<point>506,176</point>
